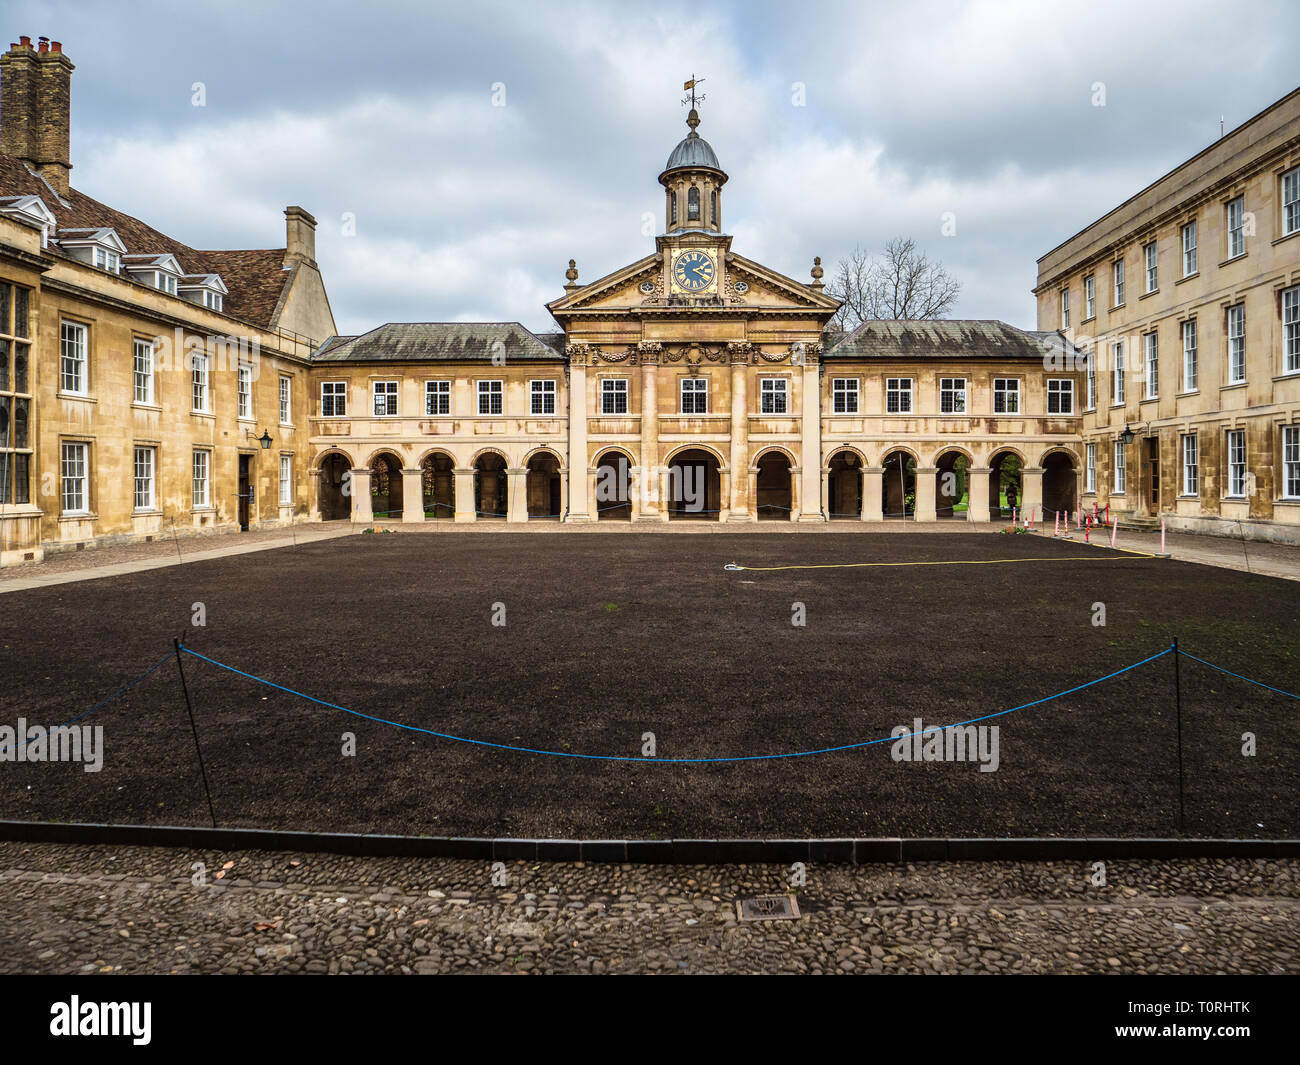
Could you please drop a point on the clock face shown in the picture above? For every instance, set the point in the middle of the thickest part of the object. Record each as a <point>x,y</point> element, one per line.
<point>693,270</point>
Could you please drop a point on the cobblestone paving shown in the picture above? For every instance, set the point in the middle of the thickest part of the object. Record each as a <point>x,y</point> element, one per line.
<point>78,909</point>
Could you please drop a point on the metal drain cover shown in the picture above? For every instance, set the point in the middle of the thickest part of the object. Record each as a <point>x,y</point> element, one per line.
<point>768,908</point>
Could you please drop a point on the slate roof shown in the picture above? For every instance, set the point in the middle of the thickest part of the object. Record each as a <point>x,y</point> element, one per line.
<point>939,339</point>
<point>254,279</point>
<point>440,342</point>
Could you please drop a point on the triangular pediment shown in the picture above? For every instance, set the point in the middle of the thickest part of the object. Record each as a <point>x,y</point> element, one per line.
<point>620,289</point>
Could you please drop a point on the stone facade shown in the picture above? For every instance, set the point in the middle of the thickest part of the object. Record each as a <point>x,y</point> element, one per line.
<point>1216,429</point>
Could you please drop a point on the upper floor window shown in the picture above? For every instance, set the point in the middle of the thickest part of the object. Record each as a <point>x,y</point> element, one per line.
<point>200,386</point>
<point>333,399</point>
<point>244,391</point>
<point>1006,395</point>
<point>898,395</point>
<point>844,395</point>
<point>437,398</point>
<point>952,395</point>
<point>1291,202</point>
<point>142,371</point>
<point>613,395</point>
<point>1090,296</point>
<point>491,397</point>
<point>773,394</point>
<point>695,395</point>
<point>1236,227</point>
<point>1060,396</point>
<point>1237,344</point>
<point>1149,256</point>
<point>1189,249</point>
<point>1191,372</point>
<point>1117,276</point>
<point>1291,329</point>
<point>72,358</point>
<point>385,397</point>
<point>1065,308</point>
<point>1090,378</point>
<point>1090,468</point>
<point>286,412</point>
<point>1117,373</point>
<point>542,397</point>
<point>1151,361</point>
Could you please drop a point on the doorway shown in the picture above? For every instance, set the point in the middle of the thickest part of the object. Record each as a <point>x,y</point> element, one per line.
<point>245,492</point>
<point>1151,454</point>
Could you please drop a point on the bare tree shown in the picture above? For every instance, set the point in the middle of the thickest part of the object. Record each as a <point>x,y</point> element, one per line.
<point>901,283</point>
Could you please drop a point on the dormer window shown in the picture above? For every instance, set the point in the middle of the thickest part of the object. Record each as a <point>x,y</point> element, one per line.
<point>212,300</point>
<point>165,282</point>
<point>693,205</point>
<point>107,260</point>
<point>207,290</point>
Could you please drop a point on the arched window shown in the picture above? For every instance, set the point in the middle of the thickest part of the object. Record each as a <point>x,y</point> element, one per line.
<point>672,208</point>
<point>713,206</point>
<point>693,205</point>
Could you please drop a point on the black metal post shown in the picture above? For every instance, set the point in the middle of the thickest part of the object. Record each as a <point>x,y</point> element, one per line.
<point>194,729</point>
<point>1178,712</point>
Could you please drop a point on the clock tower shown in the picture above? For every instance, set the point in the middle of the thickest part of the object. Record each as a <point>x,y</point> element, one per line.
<point>692,245</point>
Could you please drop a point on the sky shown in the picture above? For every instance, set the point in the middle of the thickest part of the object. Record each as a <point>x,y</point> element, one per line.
<point>456,156</point>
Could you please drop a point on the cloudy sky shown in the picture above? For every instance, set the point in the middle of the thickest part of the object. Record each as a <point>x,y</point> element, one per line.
<point>386,113</point>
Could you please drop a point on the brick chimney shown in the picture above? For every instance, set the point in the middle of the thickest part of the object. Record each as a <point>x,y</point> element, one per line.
<point>299,236</point>
<point>35,100</point>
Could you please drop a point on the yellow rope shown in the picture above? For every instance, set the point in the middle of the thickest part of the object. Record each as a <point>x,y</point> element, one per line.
<point>1129,553</point>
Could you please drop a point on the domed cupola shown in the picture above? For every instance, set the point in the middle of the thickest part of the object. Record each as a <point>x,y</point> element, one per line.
<point>693,180</point>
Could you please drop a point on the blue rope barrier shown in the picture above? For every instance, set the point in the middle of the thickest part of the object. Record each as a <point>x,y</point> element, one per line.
<point>632,758</point>
<point>104,702</point>
<point>1258,683</point>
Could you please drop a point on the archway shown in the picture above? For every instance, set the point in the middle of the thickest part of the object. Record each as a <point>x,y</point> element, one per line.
<point>775,495</point>
<point>952,485</point>
<point>844,485</point>
<point>899,485</point>
<point>543,487</point>
<point>613,487</point>
<point>335,488</point>
<point>1060,480</point>
<point>386,486</point>
<point>1004,484</point>
<point>694,486</point>
<point>490,489</point>
<point>438,485</point>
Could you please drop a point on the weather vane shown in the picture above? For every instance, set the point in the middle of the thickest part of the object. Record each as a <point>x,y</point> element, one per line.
<point>690,87</point>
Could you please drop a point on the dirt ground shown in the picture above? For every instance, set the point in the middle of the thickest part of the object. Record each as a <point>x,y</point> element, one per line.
<point>607,639</point>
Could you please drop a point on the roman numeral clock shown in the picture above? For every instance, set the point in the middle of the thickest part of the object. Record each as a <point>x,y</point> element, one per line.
<point>693,272</point>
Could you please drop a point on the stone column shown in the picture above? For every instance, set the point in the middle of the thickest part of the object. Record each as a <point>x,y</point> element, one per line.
<point>724,494</point>
<point>648,483</point>
<point>662,479</point>
<point>795,473</point>
<point>361,506</point>
<point>977,505</point>
<point>752,488</point>
<point>1031,493</point>
<point>826,485</point>
<point>564,492</point>
<point>743,504</point>
<point>412,495</point>
<point>517,494</point>
<point>810,432</point>
<point>873,493</point>
<point>925,491</point>
<point>464,495</point>
<point>579,486</point>
<point>634,491</point>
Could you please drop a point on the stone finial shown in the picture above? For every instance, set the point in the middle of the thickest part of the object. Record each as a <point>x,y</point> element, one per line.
<point>817,273</point>
<point>572,274</point>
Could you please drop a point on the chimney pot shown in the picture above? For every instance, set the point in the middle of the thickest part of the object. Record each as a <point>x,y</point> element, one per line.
<point>44,46</point>
<point>26,42</point>
<point>56,46</point>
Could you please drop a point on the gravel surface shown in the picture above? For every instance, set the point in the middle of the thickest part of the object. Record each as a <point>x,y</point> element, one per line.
<point>80,909</point>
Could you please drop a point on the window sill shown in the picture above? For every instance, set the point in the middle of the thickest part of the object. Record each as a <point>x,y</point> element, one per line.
<point>156,408</point>
<point>1118,406</point>
<point>84,397</point>
<point>1118,306</point>
<point>1187,277</point>
<point>1288,375</point>
<point>1090,318</point>
<point>79,515</point>
<point>1232,499</point>
<point>1284,236</point>
<point>1188,392</point>
<point>203,414</point>
<point>205,509</point>
<point>1232,259</point>
<point>1153,292</point>
<point>146,512</point>
<point>1234,384</point>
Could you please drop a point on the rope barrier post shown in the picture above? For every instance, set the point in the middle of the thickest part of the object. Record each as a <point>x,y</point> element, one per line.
<point>194,729</point>
<point>1178,712</point>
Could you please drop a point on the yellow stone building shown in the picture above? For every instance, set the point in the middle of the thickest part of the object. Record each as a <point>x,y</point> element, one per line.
<point>1186,299</point>
<point>147,388</point>
<point>151,389</point>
